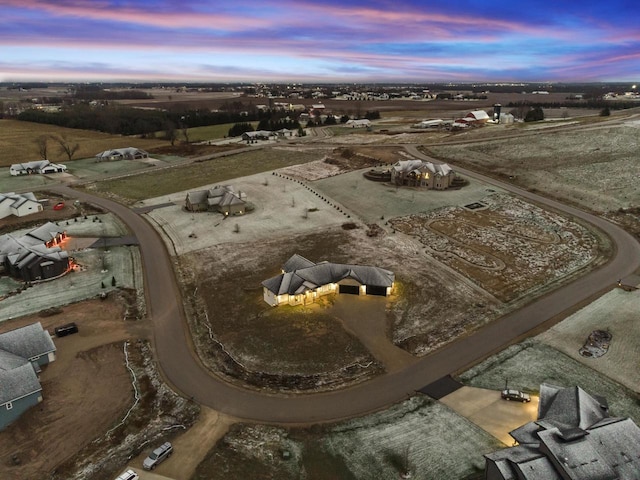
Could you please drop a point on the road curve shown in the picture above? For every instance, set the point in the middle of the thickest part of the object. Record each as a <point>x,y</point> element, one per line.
<point>183,370</point>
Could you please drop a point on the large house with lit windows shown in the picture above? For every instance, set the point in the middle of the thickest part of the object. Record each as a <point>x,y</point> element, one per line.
<point>302,281</point>
<point>35,255</point>
<point>416,173</point>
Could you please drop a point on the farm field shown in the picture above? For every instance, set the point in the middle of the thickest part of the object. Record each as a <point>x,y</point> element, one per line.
<point>594,167</point>
<point>17,142</point>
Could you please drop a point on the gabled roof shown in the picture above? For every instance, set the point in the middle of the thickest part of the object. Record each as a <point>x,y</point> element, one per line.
<point>27,342</point>
<point>577,437</point>
<point>121,152</point>
<point>302,274</point>
<point>567,408</point>
<point>46,232</point>
<point>17,383</point>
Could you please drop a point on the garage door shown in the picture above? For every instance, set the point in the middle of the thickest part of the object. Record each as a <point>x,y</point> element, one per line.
<point>371,290</point>
<point>350,289</point>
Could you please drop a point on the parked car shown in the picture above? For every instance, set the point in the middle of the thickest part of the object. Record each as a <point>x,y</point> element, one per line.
<point>516,395</point>
<point>158,456</point>
<point>67,329</point>
<point>128,475</point>
<point>58,206</point>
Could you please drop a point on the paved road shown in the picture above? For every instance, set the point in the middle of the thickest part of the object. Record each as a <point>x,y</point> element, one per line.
<point>185,372</point>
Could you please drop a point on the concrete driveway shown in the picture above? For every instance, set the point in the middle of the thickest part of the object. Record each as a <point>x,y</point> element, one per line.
<point>490,412</point>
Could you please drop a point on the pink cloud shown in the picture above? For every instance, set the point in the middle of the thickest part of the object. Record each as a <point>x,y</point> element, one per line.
<point>101,10</point>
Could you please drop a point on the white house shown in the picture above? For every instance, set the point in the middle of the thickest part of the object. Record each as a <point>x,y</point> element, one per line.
<point>129,153</point>
<point>362,123</point>
<point>18,204</point>
<point>38,166</point>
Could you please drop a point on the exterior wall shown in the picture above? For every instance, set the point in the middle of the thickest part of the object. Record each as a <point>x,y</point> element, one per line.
<point>269,297</point>
<point>17,408</point>
<point>196,207</point>
<point>27,208</point>
<point>43,270</point>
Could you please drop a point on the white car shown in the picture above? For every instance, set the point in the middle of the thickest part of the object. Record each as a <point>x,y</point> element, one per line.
<point>128,475</point>
<point>158,456</point>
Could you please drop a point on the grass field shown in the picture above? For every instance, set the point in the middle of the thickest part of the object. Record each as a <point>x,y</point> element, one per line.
<point>18,142</point>
<point>163,182</point>
<point>212,132</point>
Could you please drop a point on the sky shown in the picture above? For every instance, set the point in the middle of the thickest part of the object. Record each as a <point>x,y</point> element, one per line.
<point>320,40</point>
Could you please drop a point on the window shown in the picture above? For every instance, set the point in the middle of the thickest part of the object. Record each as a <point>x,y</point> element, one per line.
<point>9,405</point>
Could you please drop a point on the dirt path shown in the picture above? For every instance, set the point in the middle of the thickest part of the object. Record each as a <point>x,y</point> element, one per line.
<point>190,448</point>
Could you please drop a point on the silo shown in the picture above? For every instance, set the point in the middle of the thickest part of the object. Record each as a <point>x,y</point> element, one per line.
<point>496,112</point>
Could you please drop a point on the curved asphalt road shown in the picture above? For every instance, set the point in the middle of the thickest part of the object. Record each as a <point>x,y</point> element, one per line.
<point>184,371</point>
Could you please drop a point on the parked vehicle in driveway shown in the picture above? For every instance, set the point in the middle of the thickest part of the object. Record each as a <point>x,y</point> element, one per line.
<point>67,329</point>
<point>158,456</point>
<point>515,395</point>
<point>58,206</point>
<point>128,475</point>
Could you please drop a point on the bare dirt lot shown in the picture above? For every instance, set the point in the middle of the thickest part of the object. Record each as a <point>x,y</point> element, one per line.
<point>88,380</point>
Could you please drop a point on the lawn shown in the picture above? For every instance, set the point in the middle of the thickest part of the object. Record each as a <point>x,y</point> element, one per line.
<point>18,142</point>
<point>155,184</point>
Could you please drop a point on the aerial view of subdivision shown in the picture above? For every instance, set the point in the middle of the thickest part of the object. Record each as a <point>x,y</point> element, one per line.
<point>319,240</point>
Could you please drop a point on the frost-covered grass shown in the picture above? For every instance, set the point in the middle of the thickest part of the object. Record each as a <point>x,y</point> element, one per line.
<point>430,438</point>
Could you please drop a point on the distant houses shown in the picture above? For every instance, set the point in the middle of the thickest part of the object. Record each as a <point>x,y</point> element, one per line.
<point>416,173</point>
<point>574,437</point>
<point>223,199</point>
<point>36,167</point>
<point>361,123</point>
<point>129,153</point>
<point>23,352</point>
<point>258,135</point>
<point>18,204</point>
<point>36,255</point>
<point>303,281</point>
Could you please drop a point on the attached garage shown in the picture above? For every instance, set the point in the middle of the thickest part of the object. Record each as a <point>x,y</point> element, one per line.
<point>373,290</point>
<point>350,289</point>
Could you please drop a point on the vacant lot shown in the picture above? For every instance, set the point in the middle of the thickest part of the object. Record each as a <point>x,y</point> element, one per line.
<point>596,168</point>
<point>87,380</point>
<point>506,246</point>
<point>419,435</point>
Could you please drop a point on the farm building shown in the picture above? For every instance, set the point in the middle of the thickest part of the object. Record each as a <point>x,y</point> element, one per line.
<point>573,438</point>
<point>23,352</point>
<point>416,173</point>
<point>18,204</point>
<point>129,153</point>
<point>38,166</point>
<point>430,123</point>
<point>35,255</point>
<point>302,281</point>
<point>221,199</point>
<point>363,123</point>
<point>477,116</point>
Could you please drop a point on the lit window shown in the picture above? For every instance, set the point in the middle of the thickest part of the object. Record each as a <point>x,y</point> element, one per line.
<point>9,405</point>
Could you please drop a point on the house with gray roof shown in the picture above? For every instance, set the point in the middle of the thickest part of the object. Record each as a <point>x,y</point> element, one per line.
<point>23,352</point>
<point>36,255</point>
<point>128,153</point>
<point>416,173</point>
<point>303,281</point>
<point>574,438</point>
<point>18,204</point>
<point>223,199</point>
<point>38,166</point>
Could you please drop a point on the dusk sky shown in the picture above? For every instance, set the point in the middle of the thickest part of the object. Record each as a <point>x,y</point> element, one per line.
<point>319,40</point>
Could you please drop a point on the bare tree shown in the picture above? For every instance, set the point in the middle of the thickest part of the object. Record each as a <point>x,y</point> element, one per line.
<point>185,133</point>
<point>170,132</point>
<point>67,146</point>
<point>43,145</point>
